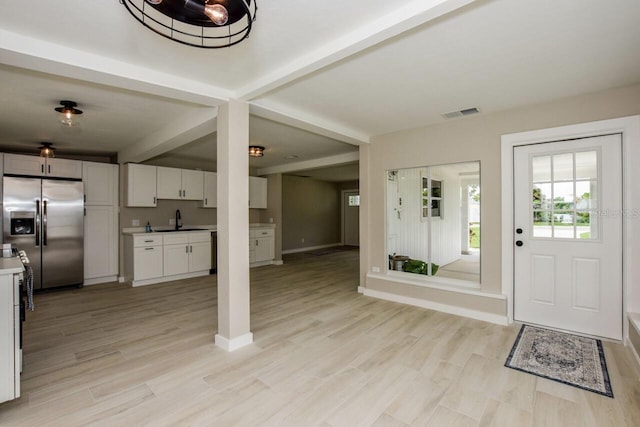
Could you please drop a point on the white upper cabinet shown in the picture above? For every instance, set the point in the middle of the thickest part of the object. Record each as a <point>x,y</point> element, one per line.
<point>169,183</point>
<point>210,190</point>
<point>63,168</point>
<point>18,164</point>
<point>180,184</point>
<point>100,183</point>
<point>141,185</point>
<point>192,184</point>
<point>257,192</point>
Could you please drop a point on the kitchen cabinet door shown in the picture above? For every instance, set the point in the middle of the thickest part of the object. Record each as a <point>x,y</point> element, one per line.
<point>100,242</point>
<point>147,262</point>
<point>100,183</point>
<point>257,192</point>
<point>199,256</point>
<point>210,190</point>
<point>264,249</point>
<point>63,168</point>
<point>176,259</point>
<point>169,183</point>
<point>19,164</point>
<point>141,185</point>
<point>192,184</point>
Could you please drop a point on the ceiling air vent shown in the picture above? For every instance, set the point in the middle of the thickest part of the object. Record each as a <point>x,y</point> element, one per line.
<point>461,113</point>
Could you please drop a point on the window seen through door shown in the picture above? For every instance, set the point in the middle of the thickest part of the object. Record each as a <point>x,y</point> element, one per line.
<point>354,200</point>
<point>565,195</point>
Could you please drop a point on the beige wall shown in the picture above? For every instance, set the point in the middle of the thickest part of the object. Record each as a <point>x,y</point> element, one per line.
<point>310,211</point>
<point>469,139</point>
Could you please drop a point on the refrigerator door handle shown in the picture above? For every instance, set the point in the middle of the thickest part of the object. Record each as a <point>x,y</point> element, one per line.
<point>37,223</point>
<point>44,223</point>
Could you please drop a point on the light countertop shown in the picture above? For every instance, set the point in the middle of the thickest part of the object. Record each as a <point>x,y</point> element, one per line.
<point>10,266</point>
<point>159,230</point>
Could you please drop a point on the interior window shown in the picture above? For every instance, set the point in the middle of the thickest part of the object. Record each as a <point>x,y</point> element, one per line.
<point>433,221</point>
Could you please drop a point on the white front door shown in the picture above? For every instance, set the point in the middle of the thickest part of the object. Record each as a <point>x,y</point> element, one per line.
<point>568,235</point>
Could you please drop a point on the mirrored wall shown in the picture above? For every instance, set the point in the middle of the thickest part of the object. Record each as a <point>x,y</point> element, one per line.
<point>433,222</point>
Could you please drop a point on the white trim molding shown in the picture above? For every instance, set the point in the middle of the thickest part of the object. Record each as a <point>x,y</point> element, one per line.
<point>231,344</point>
<point>445,308</point>
<point>629,128</point>
<point>309,248</point>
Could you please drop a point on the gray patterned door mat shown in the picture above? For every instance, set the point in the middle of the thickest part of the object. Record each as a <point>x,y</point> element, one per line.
<point>562,357</point>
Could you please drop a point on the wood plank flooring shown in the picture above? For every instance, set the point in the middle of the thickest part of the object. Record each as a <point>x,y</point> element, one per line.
<point>323,355</point>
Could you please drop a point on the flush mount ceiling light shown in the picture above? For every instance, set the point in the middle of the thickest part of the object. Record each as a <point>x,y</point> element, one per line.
<point>256,151</point>
<point>47,150</point>
<point>68,113</point>
<point>208,24</point>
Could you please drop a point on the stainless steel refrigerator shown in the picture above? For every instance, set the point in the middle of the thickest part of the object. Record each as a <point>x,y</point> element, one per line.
<point>45,217</point>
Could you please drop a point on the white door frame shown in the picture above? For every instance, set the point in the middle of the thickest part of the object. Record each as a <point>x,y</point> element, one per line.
<point>629,127</point>
<point>342,209</point>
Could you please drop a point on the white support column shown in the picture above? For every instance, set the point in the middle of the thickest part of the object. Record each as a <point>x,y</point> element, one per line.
<point>233,227</point>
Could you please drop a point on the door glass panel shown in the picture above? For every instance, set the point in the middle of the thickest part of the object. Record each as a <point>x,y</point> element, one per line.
<point>563,167</point>
<point>563,225</point>
<point>586,225</point>
<point>541,168</point>
<point>542,225</point>
<point>585,195</point>
<point>542,196</point>
<point>565,195</point>
<point>587,165</point>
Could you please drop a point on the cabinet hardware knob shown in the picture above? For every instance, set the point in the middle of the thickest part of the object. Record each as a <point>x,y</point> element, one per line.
<point>519,243</point>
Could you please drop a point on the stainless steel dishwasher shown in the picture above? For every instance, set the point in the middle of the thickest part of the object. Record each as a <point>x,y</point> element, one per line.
<point>214,253</point>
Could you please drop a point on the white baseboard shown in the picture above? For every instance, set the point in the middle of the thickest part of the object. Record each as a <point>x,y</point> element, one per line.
<point>278,262</point>
<point>233,343</point>
<point>121,279</point>
<point>309,248</point>
<point>458,311</point>
<point>361,289</point>
<point>98,280</point>
<point>261,263</point>
<point>636,357</point>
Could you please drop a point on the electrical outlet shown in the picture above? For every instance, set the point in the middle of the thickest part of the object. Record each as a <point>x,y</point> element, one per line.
<point>271,220</point>
<point>135,223</point>
<point>172,221</point>
<point>375,269</point>
<point>302,240</point>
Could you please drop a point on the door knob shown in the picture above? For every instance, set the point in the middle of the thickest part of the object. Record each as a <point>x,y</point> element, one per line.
<point>519,243</point>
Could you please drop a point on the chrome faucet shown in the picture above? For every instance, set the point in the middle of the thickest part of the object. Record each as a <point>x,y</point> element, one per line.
<point>178,220</point>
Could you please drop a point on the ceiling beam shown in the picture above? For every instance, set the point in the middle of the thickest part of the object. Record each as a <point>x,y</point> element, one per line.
<point>339,159</point>
<point>308,123</point>
<point>181,131</point>
<point>39,55</point>
<point>403,19</point>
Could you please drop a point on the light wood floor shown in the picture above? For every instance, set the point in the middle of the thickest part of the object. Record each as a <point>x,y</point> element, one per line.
<point>323,355</point>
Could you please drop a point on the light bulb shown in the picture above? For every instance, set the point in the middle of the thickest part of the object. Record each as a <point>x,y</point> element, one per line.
<point>217,13</point>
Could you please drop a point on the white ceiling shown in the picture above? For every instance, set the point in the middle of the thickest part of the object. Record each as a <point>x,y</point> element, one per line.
<point>320,77</point>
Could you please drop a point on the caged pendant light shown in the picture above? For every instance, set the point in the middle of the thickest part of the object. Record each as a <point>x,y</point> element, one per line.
<point>208,24</point>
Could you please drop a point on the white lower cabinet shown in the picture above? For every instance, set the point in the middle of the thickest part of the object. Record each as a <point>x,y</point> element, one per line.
<point>147,263</point>
<point>261,246</point>
<point>176,259</point>
<point>143,257</point>
<point>161,257</point>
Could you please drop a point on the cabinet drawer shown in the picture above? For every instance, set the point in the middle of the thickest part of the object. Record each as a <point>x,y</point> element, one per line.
<point>176,238</point>
<point>200,237</point>
<point>140,241</point>
<point>261,232</point>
